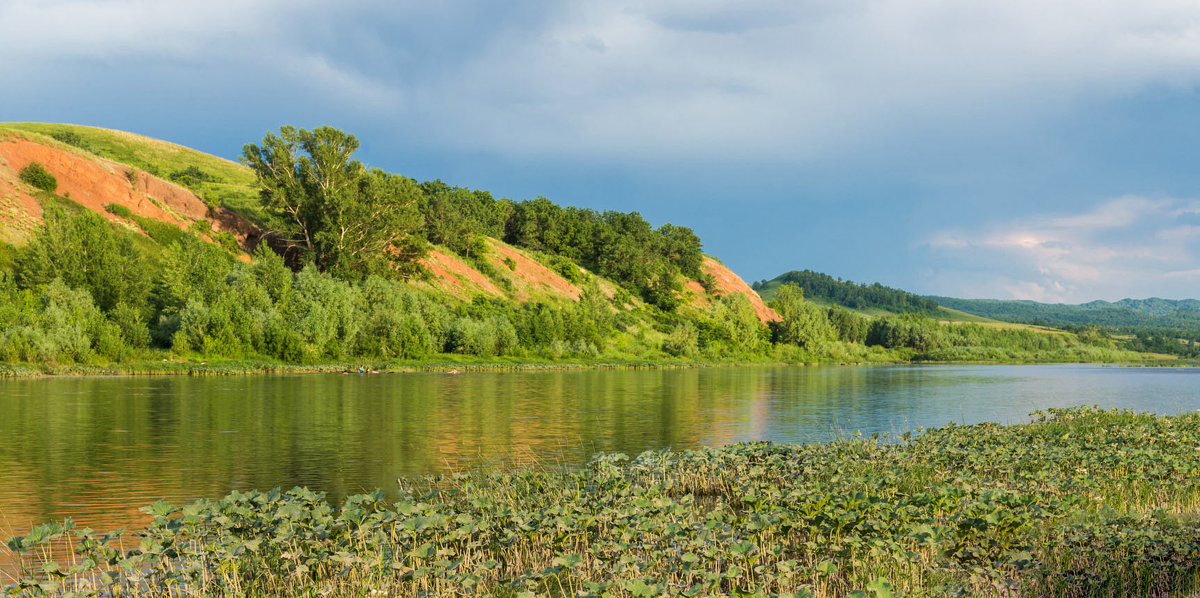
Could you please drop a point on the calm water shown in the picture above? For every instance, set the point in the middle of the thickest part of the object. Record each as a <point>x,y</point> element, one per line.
<point>97,448</point>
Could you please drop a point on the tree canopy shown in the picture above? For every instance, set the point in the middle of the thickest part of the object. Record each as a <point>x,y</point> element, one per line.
<point>337,214</point>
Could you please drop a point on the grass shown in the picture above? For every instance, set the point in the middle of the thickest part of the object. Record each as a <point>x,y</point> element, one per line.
<point>1080,502</point>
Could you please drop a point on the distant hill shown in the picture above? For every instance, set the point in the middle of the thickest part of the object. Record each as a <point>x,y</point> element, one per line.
<point>1167,314</point>
<point>824,288</point>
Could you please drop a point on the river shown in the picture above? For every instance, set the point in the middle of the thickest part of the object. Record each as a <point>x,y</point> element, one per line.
<point>96,448</point>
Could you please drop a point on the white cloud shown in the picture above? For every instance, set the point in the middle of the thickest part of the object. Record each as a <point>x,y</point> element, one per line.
<point>761,79</point>
<point>796,78</point>
<point>1126,243</point>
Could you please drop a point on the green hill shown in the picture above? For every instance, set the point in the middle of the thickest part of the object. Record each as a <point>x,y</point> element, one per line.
<point>218,181</point>
<point>823,288</point>
<point>1166,314</point>
<point>116,248</point>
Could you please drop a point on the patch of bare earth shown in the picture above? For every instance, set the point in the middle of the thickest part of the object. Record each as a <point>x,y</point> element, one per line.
<point>727,282</point>
<point>95,182</point>
<point>530,276</point>
<point>455,276</point>
<point>20,213</point>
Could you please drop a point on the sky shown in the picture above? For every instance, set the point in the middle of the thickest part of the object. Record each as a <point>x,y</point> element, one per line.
<point>1027,149</point>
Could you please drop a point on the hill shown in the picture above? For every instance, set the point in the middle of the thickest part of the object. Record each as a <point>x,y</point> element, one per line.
<point>1127,314</point>
<point>109,172</point>
<point>116,248</point>
<point>120,249</point>
<point>824,288</point>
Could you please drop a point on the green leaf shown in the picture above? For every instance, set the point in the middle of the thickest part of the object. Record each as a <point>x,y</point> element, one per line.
<point>881,588</point>
<point>827,567</point>
<point>424,551</point>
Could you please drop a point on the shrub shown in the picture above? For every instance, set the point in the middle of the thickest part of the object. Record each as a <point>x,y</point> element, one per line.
<point>69,138</point>
<point>36,175</point>
<point>191,176</point>
<point>133,328</point>
<point>565,268</point>
<point>118,210</point>
<point>683,341</point>
<point>163,233</point>
<point>86,252</point>
<point>487,338</point>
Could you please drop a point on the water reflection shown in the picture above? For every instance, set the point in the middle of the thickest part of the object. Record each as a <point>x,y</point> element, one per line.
<point>97,448</point>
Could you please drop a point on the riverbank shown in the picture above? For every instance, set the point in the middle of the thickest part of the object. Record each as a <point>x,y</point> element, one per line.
<point>173,365</point>
<point>449,365</point>
<point>1081,502</point>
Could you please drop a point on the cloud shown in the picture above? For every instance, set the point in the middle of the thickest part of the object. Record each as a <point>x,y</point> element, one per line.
<point>758,79</point>
<point>766,78</point>
<point>1148,245</point>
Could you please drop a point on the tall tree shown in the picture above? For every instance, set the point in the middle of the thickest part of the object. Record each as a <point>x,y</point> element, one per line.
<point>341,216</point>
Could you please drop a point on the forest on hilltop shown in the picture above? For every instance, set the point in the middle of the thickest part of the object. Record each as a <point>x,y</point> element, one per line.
<point>824,288</point>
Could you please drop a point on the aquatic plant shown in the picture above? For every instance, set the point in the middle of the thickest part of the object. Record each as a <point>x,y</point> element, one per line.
<point>1080,502</point>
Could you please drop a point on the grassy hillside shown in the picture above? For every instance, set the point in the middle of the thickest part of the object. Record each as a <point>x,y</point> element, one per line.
<point>1164,314</point>
<point>130,254</point>
<point>219,182</point>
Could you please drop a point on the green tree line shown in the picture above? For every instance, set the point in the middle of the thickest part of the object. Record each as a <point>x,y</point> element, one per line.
<point>827,289</point>
<point>329,210</point>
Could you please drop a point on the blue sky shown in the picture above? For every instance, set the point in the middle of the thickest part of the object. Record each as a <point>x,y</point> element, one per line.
<point>1039,149</point>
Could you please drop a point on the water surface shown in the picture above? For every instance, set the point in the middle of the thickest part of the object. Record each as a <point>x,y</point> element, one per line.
<point>97,448</point>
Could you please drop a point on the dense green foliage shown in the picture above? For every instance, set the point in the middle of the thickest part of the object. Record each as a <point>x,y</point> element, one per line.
<point>459,218</point>
<point>112,300</point>
<point>86,252</point>
<point>333,211</point>
<point>824,288</point>
<point>1165,340</point>
<point>617,245</point>
<point>36,175</point>
<point>1081,502</point>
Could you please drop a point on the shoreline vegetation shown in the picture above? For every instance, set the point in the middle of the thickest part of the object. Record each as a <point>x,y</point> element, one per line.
<point>1079,502</point>
<point>452,364</point>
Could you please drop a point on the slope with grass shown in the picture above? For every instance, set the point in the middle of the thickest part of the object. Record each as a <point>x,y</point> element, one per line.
<point>121,193</point>
<point>1181,315</point>
<point>219,181</point>
<point>81,203</point>
<point>182,187</point>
